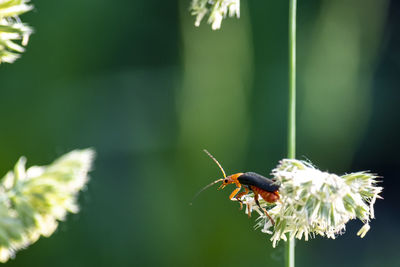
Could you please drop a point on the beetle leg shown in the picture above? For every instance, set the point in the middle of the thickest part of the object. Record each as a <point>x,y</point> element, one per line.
<point>239,196</point>
<point>239,186</point>
<point>241,203</point>
<point>258,204</point>
<point>248,207</point>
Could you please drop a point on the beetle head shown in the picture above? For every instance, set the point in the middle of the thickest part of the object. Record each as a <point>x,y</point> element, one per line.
<point>231,179</point>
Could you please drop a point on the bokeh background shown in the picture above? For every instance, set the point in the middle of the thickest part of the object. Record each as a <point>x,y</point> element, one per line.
<point>144,87</point>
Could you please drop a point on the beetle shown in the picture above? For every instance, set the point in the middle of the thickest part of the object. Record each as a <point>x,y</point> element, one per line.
<point>250,181</point>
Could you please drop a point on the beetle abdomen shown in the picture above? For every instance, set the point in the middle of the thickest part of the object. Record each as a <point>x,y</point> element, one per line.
<point>270,197</point>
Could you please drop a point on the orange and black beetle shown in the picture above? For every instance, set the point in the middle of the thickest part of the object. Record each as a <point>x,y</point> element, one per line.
<point>250,181</point>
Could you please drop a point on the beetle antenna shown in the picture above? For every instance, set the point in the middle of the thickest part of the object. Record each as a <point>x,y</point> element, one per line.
<point>216,161</point>
<point>213,183</point>
<point>204,188</point>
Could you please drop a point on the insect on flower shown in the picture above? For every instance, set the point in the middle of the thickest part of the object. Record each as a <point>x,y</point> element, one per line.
<point>250,181</point>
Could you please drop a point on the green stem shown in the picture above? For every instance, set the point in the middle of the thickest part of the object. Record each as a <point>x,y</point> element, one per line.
<point>290,257</point>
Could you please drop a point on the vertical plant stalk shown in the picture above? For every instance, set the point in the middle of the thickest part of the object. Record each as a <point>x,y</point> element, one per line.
<point>291,154</point>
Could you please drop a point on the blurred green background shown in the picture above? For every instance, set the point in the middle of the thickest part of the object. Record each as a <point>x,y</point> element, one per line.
<point>144,87</point>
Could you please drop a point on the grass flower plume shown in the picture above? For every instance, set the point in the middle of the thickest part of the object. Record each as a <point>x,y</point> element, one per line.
<point>216,11</point>
<point>33,201</point>
<point>317,203</point>
<point>14,34</point>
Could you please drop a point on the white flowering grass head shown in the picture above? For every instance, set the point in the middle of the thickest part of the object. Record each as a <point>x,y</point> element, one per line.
<point>14,34</point>
<point>33,201</point>
<point>317,203</point>
<point>216,11</point>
